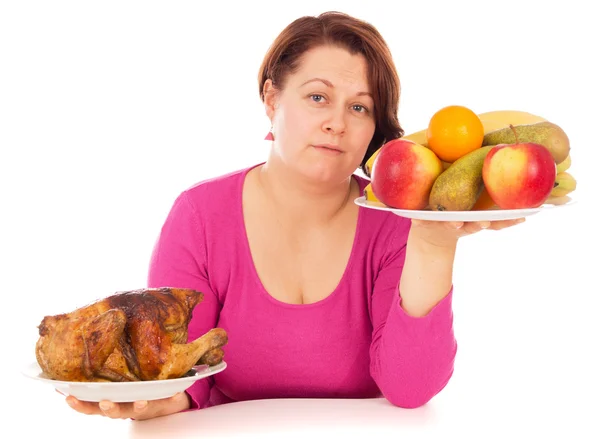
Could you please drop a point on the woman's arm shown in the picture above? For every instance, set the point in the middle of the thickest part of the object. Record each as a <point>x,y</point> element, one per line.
<point>413,347</point>
<point>427,275</point>
<point>412,356</point>
<point>179,260</point>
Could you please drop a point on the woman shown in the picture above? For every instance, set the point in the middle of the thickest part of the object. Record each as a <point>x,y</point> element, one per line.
<point>319,298</point>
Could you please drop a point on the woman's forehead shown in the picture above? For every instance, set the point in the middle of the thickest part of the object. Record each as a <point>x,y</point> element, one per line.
<point>332,66</point>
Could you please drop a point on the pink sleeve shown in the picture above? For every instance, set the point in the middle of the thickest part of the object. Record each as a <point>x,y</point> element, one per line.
<point>412,358</point>
<point>179,260</point>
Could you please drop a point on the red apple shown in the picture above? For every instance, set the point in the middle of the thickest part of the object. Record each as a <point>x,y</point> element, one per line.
<point>519,175</point>
<point>403,174</point>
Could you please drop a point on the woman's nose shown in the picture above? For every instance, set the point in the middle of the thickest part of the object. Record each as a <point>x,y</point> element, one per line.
<point>335,123</point>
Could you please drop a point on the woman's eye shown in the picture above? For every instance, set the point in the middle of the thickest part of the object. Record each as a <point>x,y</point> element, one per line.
<point>318,99</point>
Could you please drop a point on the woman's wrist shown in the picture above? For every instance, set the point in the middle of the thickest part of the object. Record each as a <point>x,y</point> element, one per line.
<point>426,276</point>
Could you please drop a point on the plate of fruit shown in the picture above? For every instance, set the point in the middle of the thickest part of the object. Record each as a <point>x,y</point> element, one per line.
<point>465,166</point>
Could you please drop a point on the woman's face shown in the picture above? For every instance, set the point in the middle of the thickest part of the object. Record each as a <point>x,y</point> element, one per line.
<point>323,117</point>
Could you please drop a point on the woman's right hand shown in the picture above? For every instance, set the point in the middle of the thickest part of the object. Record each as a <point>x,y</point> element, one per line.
<point>138,410</point>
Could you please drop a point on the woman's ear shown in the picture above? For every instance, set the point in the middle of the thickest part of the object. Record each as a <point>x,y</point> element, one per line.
<point>270,95</point>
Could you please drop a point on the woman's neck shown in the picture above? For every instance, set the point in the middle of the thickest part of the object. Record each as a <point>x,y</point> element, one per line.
<point>306,202</point>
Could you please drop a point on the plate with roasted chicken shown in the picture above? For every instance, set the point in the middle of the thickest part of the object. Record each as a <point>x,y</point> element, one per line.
<point>130,346</point>
<point>126,391</point>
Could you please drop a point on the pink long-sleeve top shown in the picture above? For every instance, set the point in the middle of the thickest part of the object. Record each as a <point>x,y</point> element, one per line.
<point>356,343</point>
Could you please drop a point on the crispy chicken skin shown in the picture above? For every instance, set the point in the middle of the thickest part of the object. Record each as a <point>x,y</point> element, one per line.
<point>128,336</point>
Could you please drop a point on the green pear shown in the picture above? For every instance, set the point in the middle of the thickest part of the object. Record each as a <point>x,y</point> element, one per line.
<point>459,186</point>
<point>547,134</point>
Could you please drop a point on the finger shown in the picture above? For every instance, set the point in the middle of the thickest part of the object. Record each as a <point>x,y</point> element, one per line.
<point>423,223</point>
<point>143,410</point>
<point>503,224</point>
<point>484,224</point>
<point>87,408</point>
<point>116,411</point>
<point>455,224</point>
<point>139,408</point>
<point>162,407</point>
<point>475,226</point>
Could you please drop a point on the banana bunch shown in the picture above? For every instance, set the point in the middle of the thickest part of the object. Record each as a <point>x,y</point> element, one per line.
<point>564,183</point>
<point>492,121</point>
<point>370,196</point>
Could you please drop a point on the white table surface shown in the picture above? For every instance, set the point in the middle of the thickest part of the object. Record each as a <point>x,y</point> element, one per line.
<point>491,409</point>
<point>286,418</point>
<point>355,418</point>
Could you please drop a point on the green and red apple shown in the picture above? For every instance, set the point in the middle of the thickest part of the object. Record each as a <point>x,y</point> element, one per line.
<point>403,174</point>
<point>519,175</point>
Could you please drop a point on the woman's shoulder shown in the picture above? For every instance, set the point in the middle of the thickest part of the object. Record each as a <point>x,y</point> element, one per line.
<point>212,199</point>
<point>218,191</point>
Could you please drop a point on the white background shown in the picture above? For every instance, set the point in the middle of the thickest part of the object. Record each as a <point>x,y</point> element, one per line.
<point>109,109</point>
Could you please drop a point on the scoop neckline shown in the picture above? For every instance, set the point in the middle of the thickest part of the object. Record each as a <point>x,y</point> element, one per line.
<point>254,272</point>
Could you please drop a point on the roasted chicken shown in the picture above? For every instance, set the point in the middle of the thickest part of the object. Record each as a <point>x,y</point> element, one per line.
<point>134,335</point>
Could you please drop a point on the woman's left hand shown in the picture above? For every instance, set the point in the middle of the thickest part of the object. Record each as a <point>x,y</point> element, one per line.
<point>447,233</point>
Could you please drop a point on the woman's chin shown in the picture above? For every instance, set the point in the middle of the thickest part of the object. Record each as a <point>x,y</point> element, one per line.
<point>326,173</point>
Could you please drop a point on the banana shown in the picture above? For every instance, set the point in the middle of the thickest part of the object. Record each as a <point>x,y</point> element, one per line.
<point>564,165</point>
<point>492,120</point>
<point>557,201</point>
<point>564,183</point>
<point>370,196</point>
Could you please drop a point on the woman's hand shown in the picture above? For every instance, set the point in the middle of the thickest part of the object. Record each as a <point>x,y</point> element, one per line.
<point>447,233</point>
<point>139,410</point>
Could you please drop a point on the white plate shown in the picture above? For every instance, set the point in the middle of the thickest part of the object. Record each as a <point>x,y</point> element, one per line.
<point>125,391</point>
<point>466,215</point>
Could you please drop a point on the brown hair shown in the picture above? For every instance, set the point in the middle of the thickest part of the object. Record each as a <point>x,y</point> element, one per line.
<point>356,36</point>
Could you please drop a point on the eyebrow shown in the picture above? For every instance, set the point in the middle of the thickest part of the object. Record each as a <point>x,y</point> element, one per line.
<point>329,84</point>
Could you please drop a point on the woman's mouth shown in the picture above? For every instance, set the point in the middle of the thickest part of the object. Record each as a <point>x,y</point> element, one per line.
<point>328,148</point>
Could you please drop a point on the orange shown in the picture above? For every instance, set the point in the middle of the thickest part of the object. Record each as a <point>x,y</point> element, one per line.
<point>484,202</point>
<point>453,132</point>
